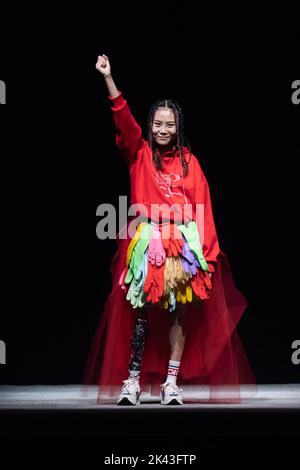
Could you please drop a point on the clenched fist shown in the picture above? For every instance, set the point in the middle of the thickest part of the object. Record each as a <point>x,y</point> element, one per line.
<point>103,65</point>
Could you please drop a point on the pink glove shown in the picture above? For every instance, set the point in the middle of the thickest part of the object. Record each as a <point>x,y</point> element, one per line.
<point>156,251</point>
<point>122,278</point>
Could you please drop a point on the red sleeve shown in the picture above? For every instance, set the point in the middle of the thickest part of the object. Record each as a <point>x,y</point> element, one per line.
<point>129,133</point>
<point>205,219</point>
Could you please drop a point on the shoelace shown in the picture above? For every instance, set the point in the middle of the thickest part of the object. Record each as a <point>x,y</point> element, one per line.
<point>127,384</point>
<point>173,386</point>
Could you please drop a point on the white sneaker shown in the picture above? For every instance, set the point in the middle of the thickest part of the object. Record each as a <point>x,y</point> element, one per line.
<point>130,394</point>
<point>171,394</point>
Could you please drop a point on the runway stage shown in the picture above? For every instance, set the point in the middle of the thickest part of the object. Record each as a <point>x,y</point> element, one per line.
<point>75,397</point>
<point>62,415</point>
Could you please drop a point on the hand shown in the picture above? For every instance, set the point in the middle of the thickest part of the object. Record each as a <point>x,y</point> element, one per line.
<point>103,65</point>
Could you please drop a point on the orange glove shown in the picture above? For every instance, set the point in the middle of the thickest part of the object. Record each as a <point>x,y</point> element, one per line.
<point>154,283</point>
<point>171,239</point>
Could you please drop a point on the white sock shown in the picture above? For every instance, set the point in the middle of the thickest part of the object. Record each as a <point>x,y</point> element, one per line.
<point>173,369</point>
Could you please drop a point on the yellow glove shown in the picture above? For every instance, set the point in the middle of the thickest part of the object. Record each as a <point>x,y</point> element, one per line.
<point>184,293</point>
<point>180,277</point>
<point>134,241</point>
<point>166,286</point>
<point>189,292</point>
<point>174,274</point>
<point>168,273</point>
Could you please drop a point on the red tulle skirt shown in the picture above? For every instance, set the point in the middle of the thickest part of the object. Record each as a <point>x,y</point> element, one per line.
<point>213,355</point>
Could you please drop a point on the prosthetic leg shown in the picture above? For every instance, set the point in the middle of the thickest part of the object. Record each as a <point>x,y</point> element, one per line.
<point>139,336</point>
<point>131,391</point>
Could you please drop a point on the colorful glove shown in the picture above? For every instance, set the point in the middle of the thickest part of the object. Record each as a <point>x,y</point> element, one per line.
<point>191,234</point>
<point>188,260</point>
<point>134,241</point>
<point>167,276</point>
<point>172,301</point>
<point>171,239</point>
<point>156,254</point>
<point>180,276</point>
<point>207,279</point>
<point>154,283</point>
<point>122,278</point>
<point>138,252</point>
<point>174,274</point>
<point>170,274</point>
<point>201,284</point>
<point>135,293</point>
<point>184,293</point>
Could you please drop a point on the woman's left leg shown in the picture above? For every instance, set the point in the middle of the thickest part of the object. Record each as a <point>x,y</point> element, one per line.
<point>177,332</point>
<point>170,393</point>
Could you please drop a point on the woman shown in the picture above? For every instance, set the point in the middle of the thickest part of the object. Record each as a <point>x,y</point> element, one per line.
<point>173,309</point>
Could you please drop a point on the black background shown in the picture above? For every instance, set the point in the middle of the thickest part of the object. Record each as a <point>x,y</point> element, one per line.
<point>231,72</point>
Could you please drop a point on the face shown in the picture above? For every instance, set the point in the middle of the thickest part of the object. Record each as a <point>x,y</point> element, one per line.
<point>164,127</point>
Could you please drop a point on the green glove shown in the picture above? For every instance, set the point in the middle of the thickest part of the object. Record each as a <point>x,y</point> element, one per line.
<point>192,237</point>
<point>136,294</point>
<point>138,253</point>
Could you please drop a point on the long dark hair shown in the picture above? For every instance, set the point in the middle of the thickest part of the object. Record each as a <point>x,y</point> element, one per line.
<point>181,138</point>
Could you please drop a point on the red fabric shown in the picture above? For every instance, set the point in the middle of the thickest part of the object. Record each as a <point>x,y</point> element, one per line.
<point>213,353</point>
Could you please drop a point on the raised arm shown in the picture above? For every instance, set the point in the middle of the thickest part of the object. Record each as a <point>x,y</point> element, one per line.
<point>129,133</point>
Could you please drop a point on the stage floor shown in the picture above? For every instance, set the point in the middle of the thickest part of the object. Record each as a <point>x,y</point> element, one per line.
<point>66,416</point>
<point>47,397</point>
